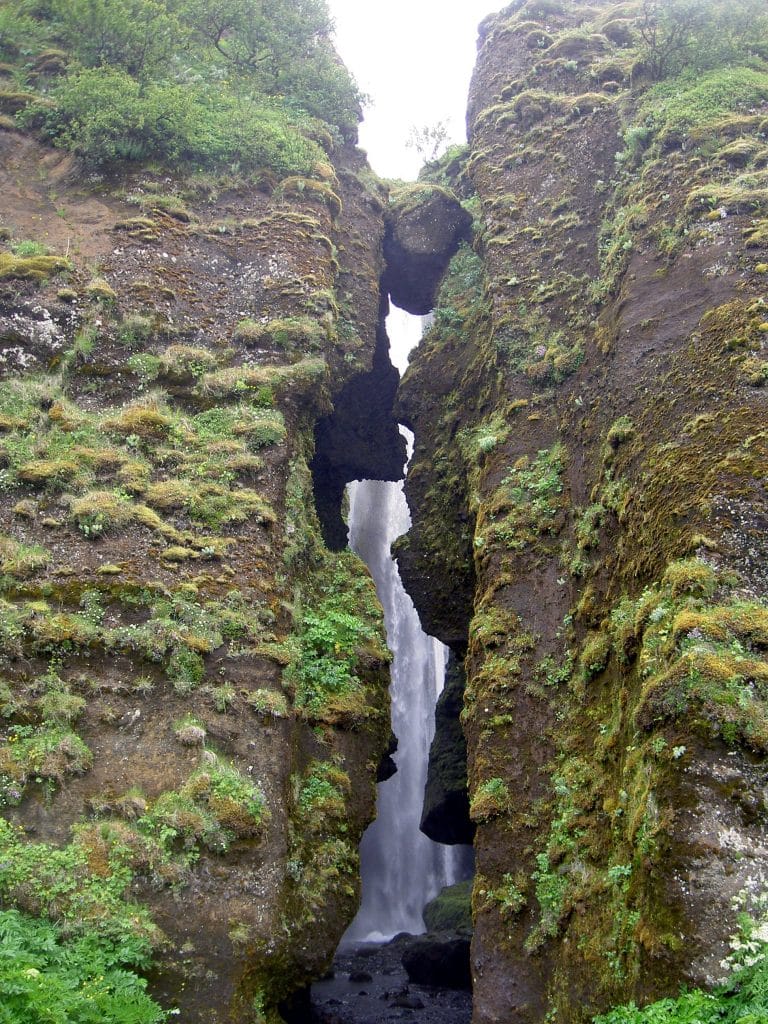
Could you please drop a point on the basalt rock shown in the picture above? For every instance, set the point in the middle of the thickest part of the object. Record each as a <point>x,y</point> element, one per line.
<point>439,959</point>
<point>589,506</point>
<point>164,719</point>
<point>446,804</point>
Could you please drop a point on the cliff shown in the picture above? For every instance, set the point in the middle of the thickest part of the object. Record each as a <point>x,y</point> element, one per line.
<point>589,502</point>
<point>193,686</point>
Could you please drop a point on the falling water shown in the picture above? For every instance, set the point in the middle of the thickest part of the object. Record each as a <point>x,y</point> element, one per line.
<point>401,868</point>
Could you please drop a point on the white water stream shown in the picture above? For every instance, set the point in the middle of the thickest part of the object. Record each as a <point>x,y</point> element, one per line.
<point>401,868</point>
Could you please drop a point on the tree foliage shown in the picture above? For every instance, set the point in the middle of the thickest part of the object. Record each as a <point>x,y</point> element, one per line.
<point>207,81</point>
<point>700,34</point>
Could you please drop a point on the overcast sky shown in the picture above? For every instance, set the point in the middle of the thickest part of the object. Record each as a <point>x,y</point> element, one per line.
<point>414,58</point>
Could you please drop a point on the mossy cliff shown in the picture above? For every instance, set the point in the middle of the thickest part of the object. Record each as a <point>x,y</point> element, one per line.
<point>193,687</point>
<point>589,497</point>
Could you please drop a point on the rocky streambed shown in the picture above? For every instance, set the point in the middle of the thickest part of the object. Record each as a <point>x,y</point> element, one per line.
<point>425,979</point>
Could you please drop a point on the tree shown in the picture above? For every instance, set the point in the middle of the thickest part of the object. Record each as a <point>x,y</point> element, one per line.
<point>429,140</point>
<point>138,36</point>
<point>699,34</point>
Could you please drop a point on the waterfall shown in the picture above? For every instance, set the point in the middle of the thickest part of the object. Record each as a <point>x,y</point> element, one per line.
<point>401,868</point>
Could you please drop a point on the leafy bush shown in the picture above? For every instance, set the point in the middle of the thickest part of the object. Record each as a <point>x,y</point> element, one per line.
<point>678,34</point>
<point>136,35</point>
<point>44,978</point>
<point>105,116</point>
<point>742,1000</point>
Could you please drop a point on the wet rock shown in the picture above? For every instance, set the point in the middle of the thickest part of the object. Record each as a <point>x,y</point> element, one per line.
<point>446,803</point>
<point>439,959</point>
<point>408,1002</point>
<point>360,976</point>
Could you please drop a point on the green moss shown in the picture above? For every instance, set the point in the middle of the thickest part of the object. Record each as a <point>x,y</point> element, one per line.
<point>451,909</point>
<point>22,560</point>
<point>100,290</point>
<point>690,576</point>
<point>594,656</point>
<point>268,703</point>
<point>312,189</point>
<point>697,103</point>
<point>101,511</point>
<point>290,334</point>
<point>182,362</point>
<point>48,752</point>
<point>490,799</point>
<point>35,268</point>
<point>144,420</point>
<point>745,194</point>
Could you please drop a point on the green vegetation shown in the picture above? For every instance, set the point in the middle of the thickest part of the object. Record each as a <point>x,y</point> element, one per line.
<point>333,640</point>
<point>678,34</point>
<point>45,975</point>
<point>692,102</point>
<point>451,909</point>
<point>490,798</point>
<point>86,935</point>
<point>237,85</point>
<point>321,858</point>
<point>740,1000</point>
<point>526,504</point>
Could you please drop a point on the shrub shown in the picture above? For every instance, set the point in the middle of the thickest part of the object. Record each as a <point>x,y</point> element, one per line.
<point>106,116</point>
<point>45,977</point>
<point>137,36</point>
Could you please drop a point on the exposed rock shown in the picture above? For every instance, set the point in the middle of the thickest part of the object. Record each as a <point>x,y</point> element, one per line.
<point>446,803</point>
<point>440,959</point>
<point>359,440</point>
<point>387,766</point>
<point>589,511</point>
<point>158,525</point>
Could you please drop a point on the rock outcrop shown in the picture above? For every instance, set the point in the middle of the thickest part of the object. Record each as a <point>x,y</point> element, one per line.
<point>445,818</point>
<point>425,224</point>
<point>193,672</point>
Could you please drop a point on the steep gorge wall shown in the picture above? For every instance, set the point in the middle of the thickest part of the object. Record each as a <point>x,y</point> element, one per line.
<point>194,688</point>
<point>588,493</point>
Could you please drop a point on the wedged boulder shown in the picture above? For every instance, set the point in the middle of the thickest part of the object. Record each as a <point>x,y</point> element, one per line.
<point>359,440</point>
<point>424,226</point>
<point>440,959</point>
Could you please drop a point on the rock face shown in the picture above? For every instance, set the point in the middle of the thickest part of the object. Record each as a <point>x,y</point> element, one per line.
<point>425,224</point>
<point>440,959</point>
<point>446,803</point>
<point>589,504</point>
<point>194,688</point>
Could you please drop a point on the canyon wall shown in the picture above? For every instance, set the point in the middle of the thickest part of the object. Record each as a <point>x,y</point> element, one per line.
<point>589,498</point>
<point>194,688</point>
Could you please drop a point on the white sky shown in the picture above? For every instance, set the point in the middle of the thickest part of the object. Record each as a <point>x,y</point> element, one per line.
<point>414,58</point>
